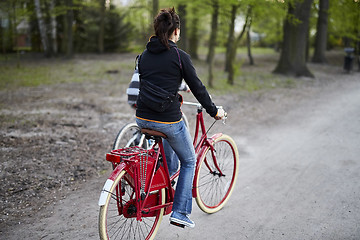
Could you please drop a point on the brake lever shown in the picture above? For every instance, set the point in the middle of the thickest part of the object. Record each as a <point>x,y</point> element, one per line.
<point>224,118</point>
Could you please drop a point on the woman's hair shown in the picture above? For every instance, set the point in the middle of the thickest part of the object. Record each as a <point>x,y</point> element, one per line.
<point>165,23</point>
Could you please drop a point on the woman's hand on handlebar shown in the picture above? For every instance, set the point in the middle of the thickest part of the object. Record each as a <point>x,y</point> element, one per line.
<point>221,114</point>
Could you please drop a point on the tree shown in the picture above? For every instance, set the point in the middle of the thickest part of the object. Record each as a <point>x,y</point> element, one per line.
<point>8,25</point>
<point>42,28</point>
<point>293,53</point>
<point>357,30</point>
<point>232,55</point>
<point>194,34</point>
<point>231,37</point>
<point>68,29</point>
<point>183,44</point>
<point>53,27</point>
<point>213,30</point>
<point>117,31</point>
<point>101,26</point>
<point>212,41</point>
<point>155,9</point>
<point>248,44</point>
<point>268,21</point>
<point>321,33</point>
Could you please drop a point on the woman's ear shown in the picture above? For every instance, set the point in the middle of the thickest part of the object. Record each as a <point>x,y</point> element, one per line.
<point>176,32</point>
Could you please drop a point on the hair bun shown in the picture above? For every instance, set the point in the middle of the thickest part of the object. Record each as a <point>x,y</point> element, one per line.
<point>166,17</point>
<point>165,23</point>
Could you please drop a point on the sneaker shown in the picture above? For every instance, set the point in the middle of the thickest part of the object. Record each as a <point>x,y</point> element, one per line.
<point>181,219</point>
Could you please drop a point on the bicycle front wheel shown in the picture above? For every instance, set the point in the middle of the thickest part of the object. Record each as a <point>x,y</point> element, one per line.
<point>217,174</point>
<point>117,219</point>
<point>129,136</point>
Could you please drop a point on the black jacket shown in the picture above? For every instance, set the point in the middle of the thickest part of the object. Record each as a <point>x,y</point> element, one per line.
<point>161,66</point>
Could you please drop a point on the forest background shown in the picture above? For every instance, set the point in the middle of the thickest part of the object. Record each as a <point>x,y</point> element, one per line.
<point>301,30</point>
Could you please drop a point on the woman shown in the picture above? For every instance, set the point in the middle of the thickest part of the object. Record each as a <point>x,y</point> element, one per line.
<point>162,67</point>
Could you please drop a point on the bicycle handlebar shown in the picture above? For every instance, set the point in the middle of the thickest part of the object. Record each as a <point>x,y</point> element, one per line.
<point>199,106</point>
<point>192,103</point>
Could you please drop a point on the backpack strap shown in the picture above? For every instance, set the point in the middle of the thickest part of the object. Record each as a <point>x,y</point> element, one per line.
<point>177,51</point>
<point>137,62</point>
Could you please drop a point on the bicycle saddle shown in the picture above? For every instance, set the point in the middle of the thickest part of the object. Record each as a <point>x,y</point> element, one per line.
<point>152,133</point>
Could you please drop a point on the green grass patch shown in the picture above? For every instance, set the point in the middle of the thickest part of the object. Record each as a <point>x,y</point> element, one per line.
<point>203,50</point>
<point>119,68</point>
<point>250,83</point>
<point>246,79</point>
<point>55,71</point>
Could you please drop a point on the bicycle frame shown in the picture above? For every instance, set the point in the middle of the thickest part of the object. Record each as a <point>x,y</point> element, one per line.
<point>202,144</point>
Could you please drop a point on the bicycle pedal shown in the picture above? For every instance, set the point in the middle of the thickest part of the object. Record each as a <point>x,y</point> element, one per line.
<point>177,224</point>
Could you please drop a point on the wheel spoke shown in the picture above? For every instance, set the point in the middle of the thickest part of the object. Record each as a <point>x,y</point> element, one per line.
<point>217,175</point>
<point>125,225</point>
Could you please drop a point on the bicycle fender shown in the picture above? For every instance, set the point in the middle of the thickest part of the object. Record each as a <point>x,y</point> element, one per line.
<point>199,155</point>
<point>109,182</point>
<point>198,158</point>
<point>215,136</point>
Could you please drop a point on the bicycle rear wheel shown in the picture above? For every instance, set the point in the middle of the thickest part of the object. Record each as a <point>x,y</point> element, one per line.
<point>186,121</point>
<point>217,174</point>
<point>117,219</point>
<point>130,136</point>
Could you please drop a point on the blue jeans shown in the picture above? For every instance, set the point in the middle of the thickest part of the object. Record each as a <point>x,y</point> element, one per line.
<point>177,146</point>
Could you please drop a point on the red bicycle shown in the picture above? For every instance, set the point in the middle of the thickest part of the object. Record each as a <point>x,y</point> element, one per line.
<point>139,191</point>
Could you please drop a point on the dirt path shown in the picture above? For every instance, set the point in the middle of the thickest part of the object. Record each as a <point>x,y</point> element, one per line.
<point>299,176</point>
<point>53,141</point>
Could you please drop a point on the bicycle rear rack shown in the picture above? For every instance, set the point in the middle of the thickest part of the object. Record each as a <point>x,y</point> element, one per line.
<point>124,154</point>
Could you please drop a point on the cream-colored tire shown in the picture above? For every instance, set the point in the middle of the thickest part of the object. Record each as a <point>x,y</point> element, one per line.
<point>113,225</point>
<point>214,187</point>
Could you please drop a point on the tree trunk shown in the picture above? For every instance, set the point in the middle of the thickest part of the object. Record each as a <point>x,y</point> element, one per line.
<point>42,28</point>
<point>101,27</point>
<point>232,54</point>
<point>53,28</point>
<point>212,43</point>
<point>357,47</point>
<point>321,33</point>
<point>69,32</point>
<point>307,51</point>
<point>211,73</point>
<point>231,38</point>
<point>193,38</point>
<point>183,43</point>
<point>248,44</point>
<point>293,55</point>
<point>214,29</point>
<point>15,34</point>
<point>3,37</point>
<point>155,9</point>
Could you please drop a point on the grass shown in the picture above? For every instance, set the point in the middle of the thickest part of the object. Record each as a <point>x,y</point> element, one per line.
<point>93,68</point>
<point>240,50</point>
<point>55,71</point>
<point>249,82</point>
<point>247,78</point>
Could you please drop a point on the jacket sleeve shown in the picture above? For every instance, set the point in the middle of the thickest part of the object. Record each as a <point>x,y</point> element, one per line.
<point>195,85</point>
